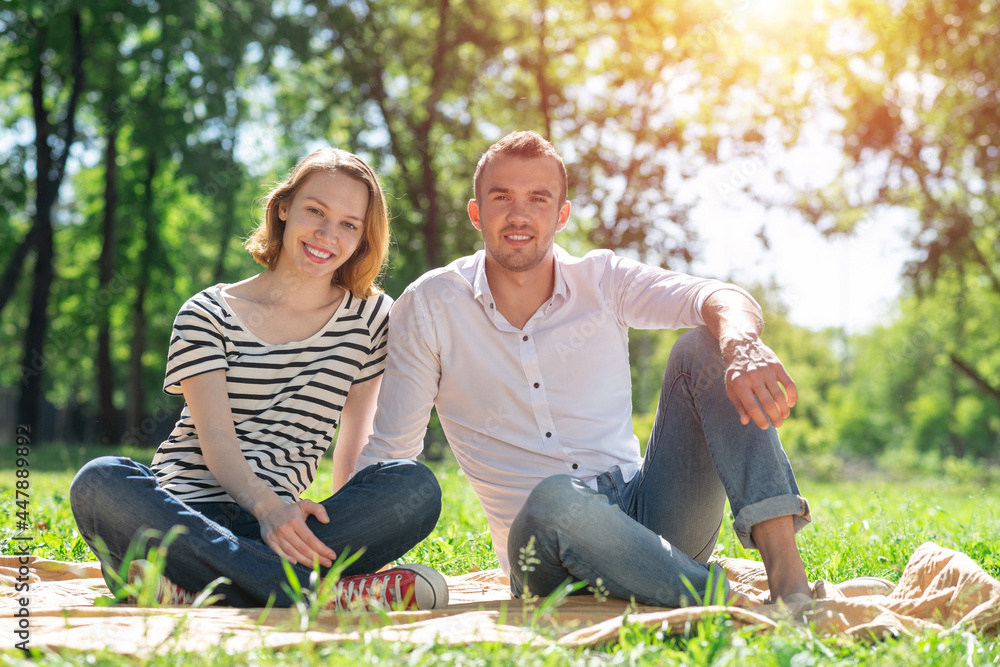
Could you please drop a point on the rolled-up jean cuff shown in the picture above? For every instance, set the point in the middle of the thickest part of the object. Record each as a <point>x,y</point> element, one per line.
<point>771,508</point>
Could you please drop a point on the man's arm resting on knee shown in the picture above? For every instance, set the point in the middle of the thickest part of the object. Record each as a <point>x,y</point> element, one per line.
<point>756,380</point>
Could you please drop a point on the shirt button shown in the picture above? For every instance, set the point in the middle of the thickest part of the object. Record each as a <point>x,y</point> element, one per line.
<point>536,385</point>
<point>525,338</point>
<point>491,306</point>
<point>548,434</point>
<point>575,466</point>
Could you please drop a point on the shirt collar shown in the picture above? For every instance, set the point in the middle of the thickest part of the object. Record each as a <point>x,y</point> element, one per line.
<point>481,287</point>
<point>560,288</point>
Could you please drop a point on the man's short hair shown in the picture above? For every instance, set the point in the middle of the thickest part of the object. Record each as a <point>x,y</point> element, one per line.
<point>523,144</point>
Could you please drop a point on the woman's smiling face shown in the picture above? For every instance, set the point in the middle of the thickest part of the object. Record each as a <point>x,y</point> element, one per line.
<point>324,224</point>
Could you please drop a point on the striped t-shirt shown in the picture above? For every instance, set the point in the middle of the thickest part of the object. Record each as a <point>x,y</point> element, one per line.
<point>286,399</point>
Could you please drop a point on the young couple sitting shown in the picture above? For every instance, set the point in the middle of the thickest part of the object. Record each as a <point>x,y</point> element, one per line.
<point>523,350</point>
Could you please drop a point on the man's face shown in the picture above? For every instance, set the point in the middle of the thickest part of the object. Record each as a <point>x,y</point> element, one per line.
<point>520,211</point>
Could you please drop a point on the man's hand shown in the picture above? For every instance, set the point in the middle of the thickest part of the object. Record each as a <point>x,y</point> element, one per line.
<point>753,371</point>
<point>283,527</point>
<point>755,379</point>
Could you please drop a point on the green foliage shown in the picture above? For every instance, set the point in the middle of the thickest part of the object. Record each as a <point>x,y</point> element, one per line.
<point>144,586</point>
<point>202,104</point>
<point>904,388</point>
<point>912,86</point>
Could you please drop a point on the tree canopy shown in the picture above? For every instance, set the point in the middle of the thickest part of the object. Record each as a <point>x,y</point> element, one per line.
<point>136,137</point>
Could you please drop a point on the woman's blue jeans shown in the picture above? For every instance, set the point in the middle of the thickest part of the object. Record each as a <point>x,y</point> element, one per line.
<point>385,509</point>
<point>651,536</point>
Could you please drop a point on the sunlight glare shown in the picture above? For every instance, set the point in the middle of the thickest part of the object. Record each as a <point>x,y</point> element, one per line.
<point>774,16</point>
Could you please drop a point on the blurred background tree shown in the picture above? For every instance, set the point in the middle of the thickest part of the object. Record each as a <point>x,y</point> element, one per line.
<point>136,137</point>
<point>916,95</point>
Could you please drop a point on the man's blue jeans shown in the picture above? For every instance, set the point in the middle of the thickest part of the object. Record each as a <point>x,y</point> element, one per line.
<point>385,509</point>
<point>645,537</point>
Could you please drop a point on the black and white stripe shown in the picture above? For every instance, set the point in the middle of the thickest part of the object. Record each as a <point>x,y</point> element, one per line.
<point>286,399</point>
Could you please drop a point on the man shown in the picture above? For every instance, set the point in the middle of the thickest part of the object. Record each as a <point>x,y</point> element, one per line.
<point>523,350</point>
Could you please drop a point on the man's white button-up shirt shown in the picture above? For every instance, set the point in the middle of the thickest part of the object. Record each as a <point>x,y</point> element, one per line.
<point>520,405</point>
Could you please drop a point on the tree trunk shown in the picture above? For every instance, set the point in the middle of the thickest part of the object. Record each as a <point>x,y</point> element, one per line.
<point>225,212</point>
<point>978,379</point>
<point>34,360</point>
<point>429,192</point>
<point>137,393</point>
<point>107,416</point>
<point>432,236</point>
<point>541,60</point>
<point>12,272</point>
<point>51,168</point>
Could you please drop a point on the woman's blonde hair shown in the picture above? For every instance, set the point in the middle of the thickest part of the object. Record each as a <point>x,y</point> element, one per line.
<point>360,272</point>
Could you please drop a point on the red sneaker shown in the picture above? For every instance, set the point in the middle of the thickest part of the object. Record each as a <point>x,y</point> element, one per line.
<point>404,587</point>
<point>166,591</point>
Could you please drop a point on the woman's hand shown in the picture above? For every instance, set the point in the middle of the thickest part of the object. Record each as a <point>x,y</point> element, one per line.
<point>283,528</point>
<point>282,524</point>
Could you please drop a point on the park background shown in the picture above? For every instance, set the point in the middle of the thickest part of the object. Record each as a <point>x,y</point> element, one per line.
<point>754,141</point>
<point>838,157</point>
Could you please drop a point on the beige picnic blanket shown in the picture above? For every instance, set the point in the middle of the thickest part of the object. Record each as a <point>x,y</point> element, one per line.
<point>940,590</point>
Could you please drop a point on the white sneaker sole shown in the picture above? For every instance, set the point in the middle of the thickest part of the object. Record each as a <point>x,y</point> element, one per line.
<point>430,590</point>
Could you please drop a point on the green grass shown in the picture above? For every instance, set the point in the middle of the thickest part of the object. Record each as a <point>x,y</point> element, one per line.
<point>868,525</point>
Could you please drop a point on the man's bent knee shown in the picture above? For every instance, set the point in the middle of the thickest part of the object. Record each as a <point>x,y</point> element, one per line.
<point>697,353</point>
<point>558,504</point>
<point>551,499</point>
<point>698,341</point>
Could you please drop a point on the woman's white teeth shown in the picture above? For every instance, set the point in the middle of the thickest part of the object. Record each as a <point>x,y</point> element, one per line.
<point>318,253</point>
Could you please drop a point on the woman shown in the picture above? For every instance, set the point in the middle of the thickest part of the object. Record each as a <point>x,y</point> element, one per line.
<point>269,367</point>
